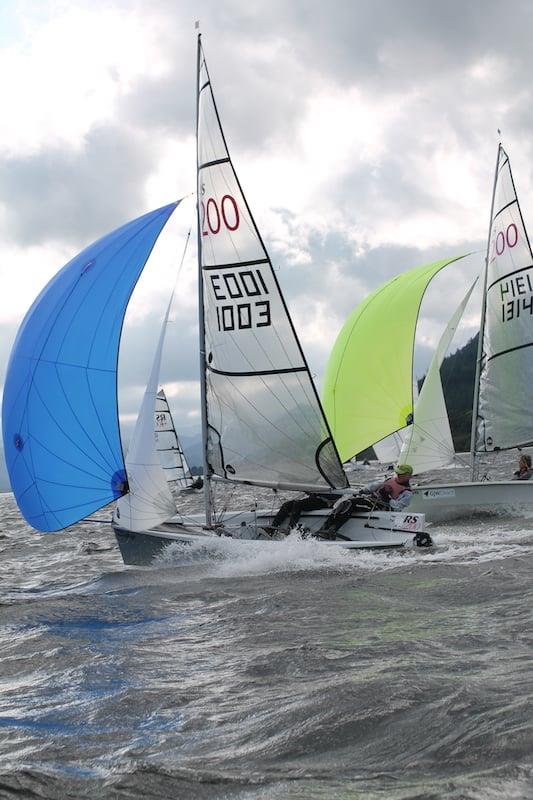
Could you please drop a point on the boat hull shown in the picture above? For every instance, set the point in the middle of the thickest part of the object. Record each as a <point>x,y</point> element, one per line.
<point>442,502</point>
<point>363,531</point>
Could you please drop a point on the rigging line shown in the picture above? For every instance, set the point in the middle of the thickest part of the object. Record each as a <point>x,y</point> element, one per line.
<point>253,232</point>
<point>111,465</point>
<point>208,133</point>
<point>65,508</point>
<point>47,513</point>
<point>260,414</point>
<point>430,438</point>
<point>250,224</point>
<point>290,413</point>
<point>63,304</point>
<point>187,238</point>
<point>64,461</point>
<point>311,423</point>
<point>270,389</point>
<point>119,278</point>
<point>520,212</point>
<point>503,163</point>
<point>148,478</point>
<point>94,405</point>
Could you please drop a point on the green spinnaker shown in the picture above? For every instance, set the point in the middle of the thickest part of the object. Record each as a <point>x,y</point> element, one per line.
<point>368,386</point>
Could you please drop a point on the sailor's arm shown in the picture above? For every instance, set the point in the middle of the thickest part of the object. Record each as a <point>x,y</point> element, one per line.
<point>401,502</point>
<point>372,486</point>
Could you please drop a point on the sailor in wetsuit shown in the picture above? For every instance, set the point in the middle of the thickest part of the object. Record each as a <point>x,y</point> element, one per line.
<point>394,494</point>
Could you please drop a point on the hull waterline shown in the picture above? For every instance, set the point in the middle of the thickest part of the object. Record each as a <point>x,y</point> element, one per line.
<point>377,530</point>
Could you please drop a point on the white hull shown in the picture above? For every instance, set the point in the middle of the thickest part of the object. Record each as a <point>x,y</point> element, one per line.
<point>363,531</point>
<point>446,501</point>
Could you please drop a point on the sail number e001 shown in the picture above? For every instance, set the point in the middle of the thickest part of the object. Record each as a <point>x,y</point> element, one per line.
<point>215,216</point>
<point>241,301</point>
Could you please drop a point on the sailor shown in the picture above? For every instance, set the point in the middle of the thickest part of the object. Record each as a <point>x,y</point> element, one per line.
<point>292,509</point>
<point>524,471</point>
<point>393,494</point>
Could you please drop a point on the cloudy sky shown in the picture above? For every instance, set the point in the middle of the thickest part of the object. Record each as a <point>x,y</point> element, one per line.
<point>364,133</point>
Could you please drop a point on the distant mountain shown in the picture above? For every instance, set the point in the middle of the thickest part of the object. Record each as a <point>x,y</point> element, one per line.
<point>192,447</point>
<point>458,373</point>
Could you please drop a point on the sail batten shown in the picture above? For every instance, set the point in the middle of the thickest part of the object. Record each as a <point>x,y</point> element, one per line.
<point>169,447</point>
<point>264,422</point>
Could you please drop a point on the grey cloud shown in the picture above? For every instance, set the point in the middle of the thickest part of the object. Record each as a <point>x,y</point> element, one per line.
<point>180,355</point>
<point>72,195</point>
<point>260,89</point>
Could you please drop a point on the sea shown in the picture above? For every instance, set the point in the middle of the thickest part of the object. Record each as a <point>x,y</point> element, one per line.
<point>291,670</point>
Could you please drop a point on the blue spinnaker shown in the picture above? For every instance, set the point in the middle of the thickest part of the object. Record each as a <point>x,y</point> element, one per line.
<point>60,414</point>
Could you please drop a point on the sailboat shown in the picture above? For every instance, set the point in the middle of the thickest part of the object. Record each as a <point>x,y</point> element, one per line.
<point>262,421</point>
<point>428,442</point>
<point>168,445</point>
<point>501,414</point>
<point>502,397</point>
<point>368,393</point>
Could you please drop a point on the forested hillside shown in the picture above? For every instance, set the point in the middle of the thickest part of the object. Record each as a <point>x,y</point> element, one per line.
<point>457,374</point>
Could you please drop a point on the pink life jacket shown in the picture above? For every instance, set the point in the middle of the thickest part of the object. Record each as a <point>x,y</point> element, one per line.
<point>393,488</point>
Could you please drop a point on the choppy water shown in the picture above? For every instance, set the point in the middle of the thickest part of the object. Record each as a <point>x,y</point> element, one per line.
<point>300,671</point>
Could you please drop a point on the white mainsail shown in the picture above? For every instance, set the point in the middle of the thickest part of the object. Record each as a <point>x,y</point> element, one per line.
<point>149,500</point>
<point>503,416</point>
<point>428,442</point>
<point>264,421</point>
<point>168,445</point>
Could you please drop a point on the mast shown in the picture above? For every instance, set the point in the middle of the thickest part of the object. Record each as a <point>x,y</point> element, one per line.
<point>475,405</point>
<point>201,324</point>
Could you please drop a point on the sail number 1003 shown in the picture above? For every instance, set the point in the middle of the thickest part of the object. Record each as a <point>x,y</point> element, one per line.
<point>241,300</point>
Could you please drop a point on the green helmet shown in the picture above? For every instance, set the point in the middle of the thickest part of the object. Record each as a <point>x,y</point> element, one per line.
<point>403,469</point>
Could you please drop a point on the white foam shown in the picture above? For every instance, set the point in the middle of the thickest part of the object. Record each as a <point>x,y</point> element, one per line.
<point>225,557</point>
<point>228,557</point>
